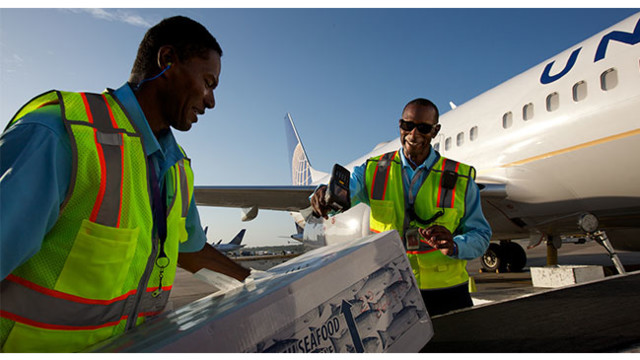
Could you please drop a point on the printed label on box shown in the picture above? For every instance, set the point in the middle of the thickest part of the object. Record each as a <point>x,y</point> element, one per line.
<point>368,316</point>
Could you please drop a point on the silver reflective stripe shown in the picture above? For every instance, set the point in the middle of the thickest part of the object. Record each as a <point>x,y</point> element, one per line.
<point>36,306</point>
<point>446,195</point>
<point>151,304</point>
<point>111,144</point>
<point>109,213</point>
<point>184,189</point>
<point>109,138</point>
<point>99,111</point>
<point>380,178</point>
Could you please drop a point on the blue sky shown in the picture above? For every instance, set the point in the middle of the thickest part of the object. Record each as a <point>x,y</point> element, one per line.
<point>343,74</point>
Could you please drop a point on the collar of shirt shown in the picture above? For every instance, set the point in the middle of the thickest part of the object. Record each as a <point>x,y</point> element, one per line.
<point>164,151</point>
<point>427,164</point>
<point>411,185</point>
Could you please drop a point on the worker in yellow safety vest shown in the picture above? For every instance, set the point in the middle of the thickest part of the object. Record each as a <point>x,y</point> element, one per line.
<point>433,203</point>
<point>91,250</point>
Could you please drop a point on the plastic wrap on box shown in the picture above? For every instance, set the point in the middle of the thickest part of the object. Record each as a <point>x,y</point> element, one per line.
<point>358,296</point>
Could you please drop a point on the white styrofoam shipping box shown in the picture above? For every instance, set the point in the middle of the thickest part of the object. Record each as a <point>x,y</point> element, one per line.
<point>565,275</point>
<point>358,296</point>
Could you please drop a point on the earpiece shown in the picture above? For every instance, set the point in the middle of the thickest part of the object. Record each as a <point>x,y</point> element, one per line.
<point>155,77</point>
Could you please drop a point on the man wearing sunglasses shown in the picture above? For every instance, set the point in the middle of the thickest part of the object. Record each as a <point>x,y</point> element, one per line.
<point>432,202</point>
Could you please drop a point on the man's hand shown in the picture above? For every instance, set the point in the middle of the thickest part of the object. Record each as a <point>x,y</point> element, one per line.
<point>212,259</point>
<point>318,204</point>
<point>439,237</point>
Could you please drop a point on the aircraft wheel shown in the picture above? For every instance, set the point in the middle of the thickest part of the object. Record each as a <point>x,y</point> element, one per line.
<point>493,258</point>
<point>515,256</point>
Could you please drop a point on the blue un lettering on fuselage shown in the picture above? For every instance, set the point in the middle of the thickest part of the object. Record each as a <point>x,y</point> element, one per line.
<point>620,36</point>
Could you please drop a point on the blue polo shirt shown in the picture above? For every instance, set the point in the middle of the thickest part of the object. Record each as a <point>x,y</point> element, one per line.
<point>35,165</point>
<point>474,230</point>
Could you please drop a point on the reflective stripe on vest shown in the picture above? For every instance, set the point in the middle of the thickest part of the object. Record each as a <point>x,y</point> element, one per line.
<point>109,143</point>
<point>184,189</point>
<point>446,198</point>
<point>29,303</point>
<point>381,176</point>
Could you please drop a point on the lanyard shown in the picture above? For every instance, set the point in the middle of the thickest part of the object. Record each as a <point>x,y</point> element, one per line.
<point>412,185</point>
<point>159,208</point>
<point>416,183</point>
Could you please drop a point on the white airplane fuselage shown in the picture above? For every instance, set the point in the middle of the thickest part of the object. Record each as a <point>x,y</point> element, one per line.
<point>560,140</point>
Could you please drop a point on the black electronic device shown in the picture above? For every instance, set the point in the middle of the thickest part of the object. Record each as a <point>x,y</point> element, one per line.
<point>337,196</point>
<point>449,179</point>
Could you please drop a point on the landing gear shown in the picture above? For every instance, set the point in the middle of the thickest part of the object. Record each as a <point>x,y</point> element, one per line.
<point>601,238</point>
<point>504,257</point>
<point>516,257</point>
<point>492,258</point>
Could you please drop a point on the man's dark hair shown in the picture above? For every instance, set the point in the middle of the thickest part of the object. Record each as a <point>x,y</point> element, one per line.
<point>424,102</point>
<point>188,37</point>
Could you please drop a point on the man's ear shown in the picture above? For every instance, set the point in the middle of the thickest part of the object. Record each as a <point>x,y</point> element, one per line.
<point>166,56</point>
<point>436,130</point>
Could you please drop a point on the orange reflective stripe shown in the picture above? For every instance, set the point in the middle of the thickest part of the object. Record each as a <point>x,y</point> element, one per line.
<point>421,252</point>
<point>439,201</point>
<point>86,106</point>
<point>62,295</point>
<point>453,191</point>
<point>164,288</point>
<point>114,124</point>
<point>20,319</point>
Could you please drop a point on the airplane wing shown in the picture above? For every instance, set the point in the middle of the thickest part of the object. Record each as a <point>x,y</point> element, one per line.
<point>287,198</point>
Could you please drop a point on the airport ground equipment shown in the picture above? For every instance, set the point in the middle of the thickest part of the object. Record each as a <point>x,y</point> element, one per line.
<point>599,316</point>
<point>357,296</point>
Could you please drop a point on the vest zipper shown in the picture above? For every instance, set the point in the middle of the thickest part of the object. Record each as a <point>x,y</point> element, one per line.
<point>142,286</point>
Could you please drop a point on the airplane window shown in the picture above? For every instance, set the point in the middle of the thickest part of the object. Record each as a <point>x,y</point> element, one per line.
<point>579,91</point>
<point>447,143</point>
<point>460,139</point>
<point>436,146</point>
<point>473,134</point>
<point>609,79</point>
<point>553,102</point>
<point>507,120</point>
<point>527,112</point>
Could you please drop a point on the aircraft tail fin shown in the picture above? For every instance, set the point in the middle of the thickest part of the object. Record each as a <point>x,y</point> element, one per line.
<point>238,239</point>
<point>301,171</point>
<point>298,236</point>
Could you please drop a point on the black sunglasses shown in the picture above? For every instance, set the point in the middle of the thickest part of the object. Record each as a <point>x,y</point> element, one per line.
<point>409,126</point>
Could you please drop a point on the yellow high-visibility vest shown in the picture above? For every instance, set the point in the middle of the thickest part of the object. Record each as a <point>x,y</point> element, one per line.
<point>97,273</point>
<point>383,175</point>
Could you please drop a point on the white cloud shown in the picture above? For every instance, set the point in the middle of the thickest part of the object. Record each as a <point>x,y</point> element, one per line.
<point>124,16</point>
